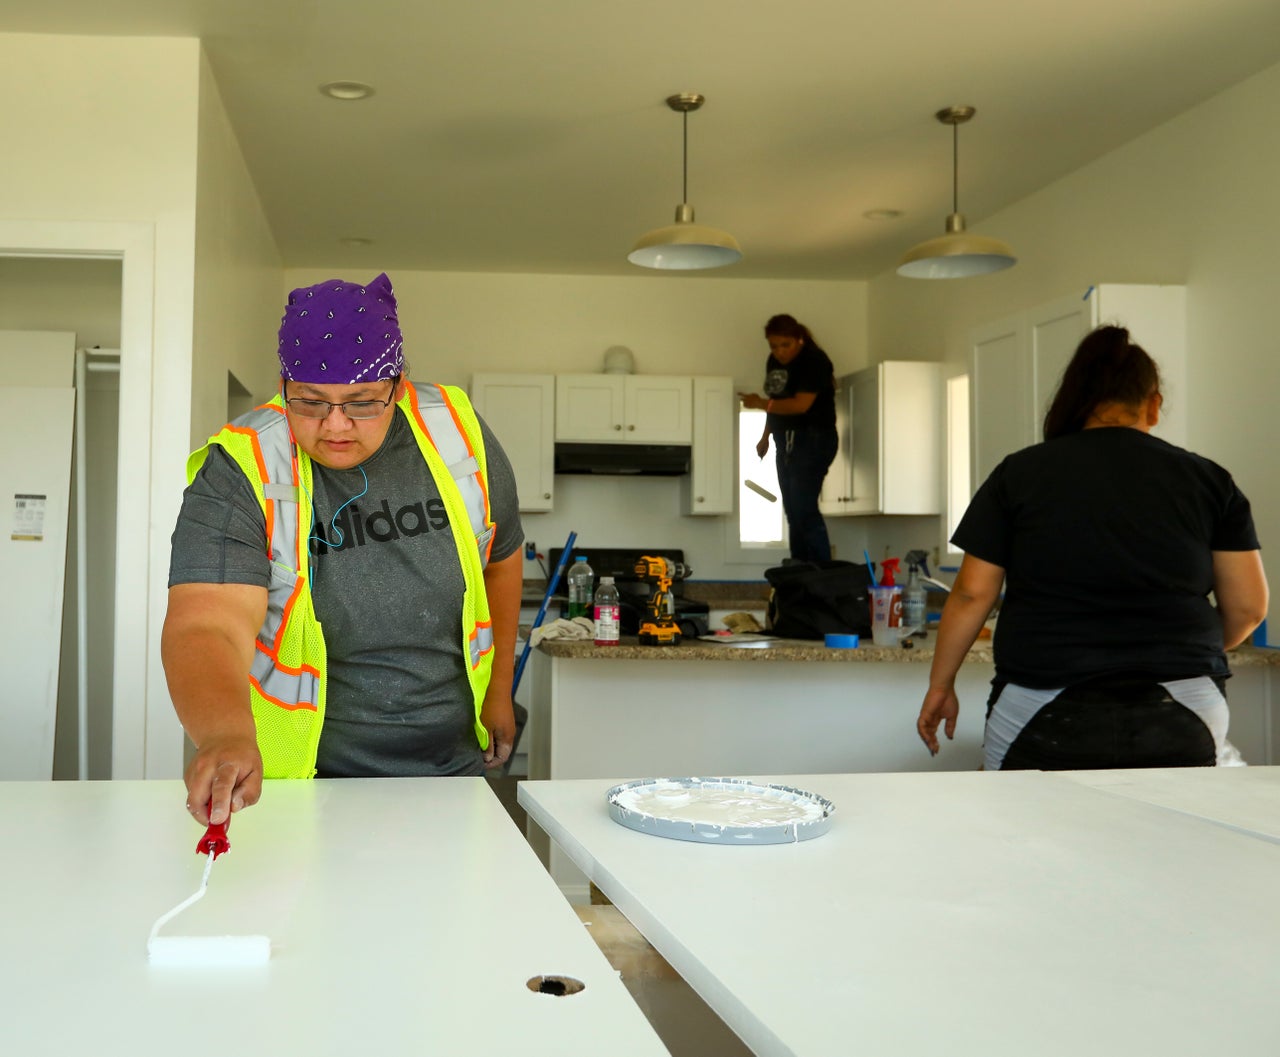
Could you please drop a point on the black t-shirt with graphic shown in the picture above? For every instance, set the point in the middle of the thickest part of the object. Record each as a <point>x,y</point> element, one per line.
<point>388,591</point>
<point>809,372</point>
<point>1106,537</point>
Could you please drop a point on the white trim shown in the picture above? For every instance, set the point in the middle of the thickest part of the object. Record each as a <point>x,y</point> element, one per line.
<point>134,245</point>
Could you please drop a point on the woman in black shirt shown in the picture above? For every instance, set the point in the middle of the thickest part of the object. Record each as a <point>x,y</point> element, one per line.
<point>799,396</point>
<point>1108,541</point>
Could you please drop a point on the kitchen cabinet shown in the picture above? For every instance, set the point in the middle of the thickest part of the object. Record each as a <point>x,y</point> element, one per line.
<point>1016,362</point>
<point>889,419</point>
<point>520,409</point>
<point>710,484</point>
<point>624,408</point>
<point>837,486</point>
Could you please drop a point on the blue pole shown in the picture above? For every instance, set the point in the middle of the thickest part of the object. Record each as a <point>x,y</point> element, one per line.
<point>552,583</point>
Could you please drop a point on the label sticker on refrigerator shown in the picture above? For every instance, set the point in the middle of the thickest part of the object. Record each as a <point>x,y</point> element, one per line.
<point>28,517</point>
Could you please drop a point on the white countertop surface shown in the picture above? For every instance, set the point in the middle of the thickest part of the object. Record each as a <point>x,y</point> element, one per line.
<point>406,917</point>
<point>957,913</point>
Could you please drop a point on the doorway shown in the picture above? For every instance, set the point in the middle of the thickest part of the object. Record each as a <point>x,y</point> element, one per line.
<point>81,296</point>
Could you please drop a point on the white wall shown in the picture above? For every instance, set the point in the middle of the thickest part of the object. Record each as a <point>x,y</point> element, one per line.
<point>457,324</point>
<point>1190,202</point>
<point>100,138</point>
<point>237,270</point>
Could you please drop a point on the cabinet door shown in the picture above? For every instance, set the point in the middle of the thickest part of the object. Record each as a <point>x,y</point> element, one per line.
<point>712,456</point>
<point>833,500</point>
<point>657,409</point>
<point>520,409</point>
<point>589,407</point>
<point>867,423</point>
<point>910,438</point>
<point>1000,392</point>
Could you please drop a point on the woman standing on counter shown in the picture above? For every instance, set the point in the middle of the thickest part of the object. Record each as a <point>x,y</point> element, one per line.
<point>1108,651</point>
<point>799,387</point>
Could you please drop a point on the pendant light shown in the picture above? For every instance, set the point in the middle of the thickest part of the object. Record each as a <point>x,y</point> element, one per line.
<point>959,253</point>
<point>684,245</point>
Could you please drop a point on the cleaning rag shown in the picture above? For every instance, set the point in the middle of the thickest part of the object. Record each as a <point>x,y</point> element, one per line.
<point>577,628</point>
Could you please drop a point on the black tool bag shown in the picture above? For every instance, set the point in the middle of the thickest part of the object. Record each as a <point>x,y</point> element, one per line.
<point>812,599</point>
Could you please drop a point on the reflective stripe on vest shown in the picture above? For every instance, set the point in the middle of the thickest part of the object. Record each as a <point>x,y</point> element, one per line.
<point>443,425</point>
<point>267,431</point>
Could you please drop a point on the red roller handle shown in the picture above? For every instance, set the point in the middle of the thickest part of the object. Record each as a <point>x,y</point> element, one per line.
<point>214,842</point>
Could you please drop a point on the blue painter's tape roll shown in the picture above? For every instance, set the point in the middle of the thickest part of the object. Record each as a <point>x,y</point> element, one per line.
<point>841,642</point>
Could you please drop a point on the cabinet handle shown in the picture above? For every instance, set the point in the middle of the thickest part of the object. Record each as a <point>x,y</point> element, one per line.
<point>619,426</point>
<point>546,495</point>
<point>700,499</point>
<point>631,428</point>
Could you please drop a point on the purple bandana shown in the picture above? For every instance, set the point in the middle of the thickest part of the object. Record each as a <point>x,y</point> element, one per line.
<point>341,333</point>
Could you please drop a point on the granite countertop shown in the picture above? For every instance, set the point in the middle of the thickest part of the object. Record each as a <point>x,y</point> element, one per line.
<point>629,649</point>
<point>804,650</point>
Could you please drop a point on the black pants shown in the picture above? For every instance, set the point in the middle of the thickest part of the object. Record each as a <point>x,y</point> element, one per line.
<point>803,458</point>
<point>1107,724</point>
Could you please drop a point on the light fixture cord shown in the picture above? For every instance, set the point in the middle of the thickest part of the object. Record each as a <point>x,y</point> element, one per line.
<point>684,187</point>
<point>955,167</point>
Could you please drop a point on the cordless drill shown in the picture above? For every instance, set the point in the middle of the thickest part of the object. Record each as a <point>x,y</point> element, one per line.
<point>658,626</point>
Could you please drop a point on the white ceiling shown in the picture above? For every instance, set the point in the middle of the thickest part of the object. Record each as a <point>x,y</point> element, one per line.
<point>532,136</point>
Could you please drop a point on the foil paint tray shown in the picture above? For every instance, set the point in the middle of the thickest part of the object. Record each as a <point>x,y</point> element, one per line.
<point>720,810</point>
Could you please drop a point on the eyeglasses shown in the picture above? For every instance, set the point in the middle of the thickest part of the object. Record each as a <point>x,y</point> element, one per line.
<point>353,409</point>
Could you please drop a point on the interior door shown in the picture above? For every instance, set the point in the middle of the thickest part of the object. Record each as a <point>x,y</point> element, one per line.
<point>1001,417</point>
<point>1055,330</point>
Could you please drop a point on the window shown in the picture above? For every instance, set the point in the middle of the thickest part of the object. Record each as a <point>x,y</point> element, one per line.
<point>761,524</point>
<point>957,454</point>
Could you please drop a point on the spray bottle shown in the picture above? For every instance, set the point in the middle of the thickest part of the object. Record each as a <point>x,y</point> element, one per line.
<point>889,572</point>
<point>913,595</point>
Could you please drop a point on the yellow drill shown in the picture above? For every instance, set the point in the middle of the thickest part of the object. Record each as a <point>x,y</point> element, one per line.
<point>658,626</point>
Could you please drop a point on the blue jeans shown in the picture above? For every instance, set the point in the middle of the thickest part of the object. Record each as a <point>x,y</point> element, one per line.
<point>803,458</point>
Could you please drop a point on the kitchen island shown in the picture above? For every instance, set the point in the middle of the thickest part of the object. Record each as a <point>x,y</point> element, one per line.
<point>776,707</point>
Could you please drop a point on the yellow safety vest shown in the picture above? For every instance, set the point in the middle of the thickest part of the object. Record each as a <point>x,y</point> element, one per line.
<point>287,677</point>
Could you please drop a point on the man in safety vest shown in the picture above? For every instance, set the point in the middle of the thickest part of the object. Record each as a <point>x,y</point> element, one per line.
<point>344,586</point>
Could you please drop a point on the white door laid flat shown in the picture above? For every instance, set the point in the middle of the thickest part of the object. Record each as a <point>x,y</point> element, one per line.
<point>960,913</point>
<point>1244,798</point>
<point>406,917</point>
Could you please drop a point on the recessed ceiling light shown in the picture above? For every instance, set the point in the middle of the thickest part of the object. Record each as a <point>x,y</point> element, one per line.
<point>347,90</point>
<point>355,240</point>
<point>882,214</point>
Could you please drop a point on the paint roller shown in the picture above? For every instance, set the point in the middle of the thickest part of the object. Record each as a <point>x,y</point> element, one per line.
<point>205,951</point>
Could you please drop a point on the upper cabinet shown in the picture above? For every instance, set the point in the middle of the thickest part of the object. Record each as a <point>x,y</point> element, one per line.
<point>711,482</point>
<point>623,409</point>
<point>1016,362</point>
<point>520,409</point>
<point>889,420</point>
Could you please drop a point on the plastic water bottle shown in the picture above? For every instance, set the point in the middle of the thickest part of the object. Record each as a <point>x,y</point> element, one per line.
<point>914,603</point>
<point>606,610</point>
<point>581,586</point>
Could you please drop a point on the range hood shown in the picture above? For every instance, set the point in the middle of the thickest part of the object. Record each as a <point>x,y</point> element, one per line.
<point>649,460</point>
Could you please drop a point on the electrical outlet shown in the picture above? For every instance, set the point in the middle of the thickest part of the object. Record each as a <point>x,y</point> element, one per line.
<point>530,550</point>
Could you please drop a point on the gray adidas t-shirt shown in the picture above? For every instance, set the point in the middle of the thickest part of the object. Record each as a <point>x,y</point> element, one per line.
<point>388,591</point>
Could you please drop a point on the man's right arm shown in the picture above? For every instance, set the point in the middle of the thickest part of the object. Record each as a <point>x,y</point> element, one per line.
<point>207,646</point>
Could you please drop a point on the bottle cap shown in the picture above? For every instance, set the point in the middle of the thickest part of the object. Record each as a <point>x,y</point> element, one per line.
<point>606,579</point>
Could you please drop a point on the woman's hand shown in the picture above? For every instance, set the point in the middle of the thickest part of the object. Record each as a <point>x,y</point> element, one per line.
<point>225,776</point>
<point>762,446</point>
<point>754,401</point>
<point>939,705</point>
